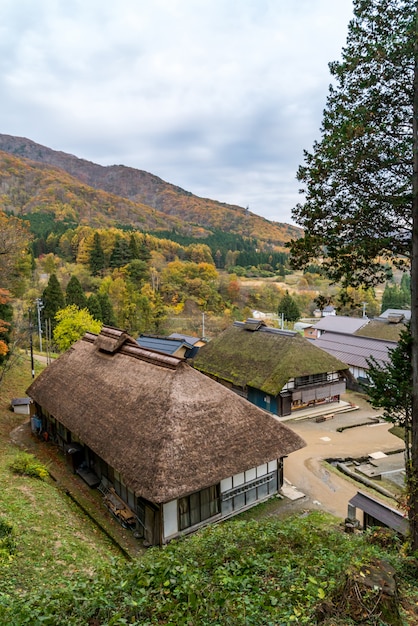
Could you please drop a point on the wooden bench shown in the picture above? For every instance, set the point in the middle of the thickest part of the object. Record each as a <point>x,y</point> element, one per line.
<point>324,418</point>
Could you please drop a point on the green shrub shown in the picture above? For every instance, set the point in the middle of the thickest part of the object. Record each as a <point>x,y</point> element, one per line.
<point>7,541</point>
<point>26,464</point>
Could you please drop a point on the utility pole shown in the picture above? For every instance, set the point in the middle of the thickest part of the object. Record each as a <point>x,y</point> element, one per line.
<point>39,306</point>
<point>31,344</point>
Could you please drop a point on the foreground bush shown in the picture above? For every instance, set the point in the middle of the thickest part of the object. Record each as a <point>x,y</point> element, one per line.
<point>27,465</point>
<point>239,573</point>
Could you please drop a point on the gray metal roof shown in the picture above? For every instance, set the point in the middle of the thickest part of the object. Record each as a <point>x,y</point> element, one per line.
<point>382,512</point>
<point>341,324</point>
<point>185,338</point>
<point>161,344</point>
<point>20,401</point>
<point>354,349</point>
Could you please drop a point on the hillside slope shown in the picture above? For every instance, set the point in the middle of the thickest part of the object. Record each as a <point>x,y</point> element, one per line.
<point>30,187</point>
<point>144,188</point>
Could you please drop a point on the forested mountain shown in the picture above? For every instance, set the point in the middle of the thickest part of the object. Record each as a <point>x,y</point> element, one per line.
<point>29,187</point>
<point>123,195</point>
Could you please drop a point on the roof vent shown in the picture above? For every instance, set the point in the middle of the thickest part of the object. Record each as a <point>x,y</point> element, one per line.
<point>111,339</point>
<point>253,324</point>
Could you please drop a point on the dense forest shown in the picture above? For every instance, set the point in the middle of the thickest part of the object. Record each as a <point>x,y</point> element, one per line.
<point>154,281</point>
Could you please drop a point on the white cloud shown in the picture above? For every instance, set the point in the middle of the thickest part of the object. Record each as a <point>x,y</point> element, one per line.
<point>217,96</point>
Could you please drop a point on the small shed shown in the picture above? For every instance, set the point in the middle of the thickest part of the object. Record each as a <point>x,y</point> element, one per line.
<point>21,405</point>
<point>376,513</point>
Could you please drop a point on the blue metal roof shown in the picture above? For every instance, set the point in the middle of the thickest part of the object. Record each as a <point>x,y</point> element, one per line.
<point>160,344</point>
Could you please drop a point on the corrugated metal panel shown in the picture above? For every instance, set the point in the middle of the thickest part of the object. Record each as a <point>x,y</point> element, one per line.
<point>381,512</point>
<point>169,346</point>
<point>355,350</point>
<point>341,324</point>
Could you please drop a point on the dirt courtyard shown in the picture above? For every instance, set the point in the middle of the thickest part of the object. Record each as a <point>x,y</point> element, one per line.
<point>304,469</point>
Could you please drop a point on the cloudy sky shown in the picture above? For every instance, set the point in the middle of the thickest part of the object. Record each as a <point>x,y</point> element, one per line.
<point>219,97</point>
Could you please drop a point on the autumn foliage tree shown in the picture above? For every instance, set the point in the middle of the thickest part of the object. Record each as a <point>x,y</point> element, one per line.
<point>14,240</point>
<point>6,314</point>
<point>71,324</point>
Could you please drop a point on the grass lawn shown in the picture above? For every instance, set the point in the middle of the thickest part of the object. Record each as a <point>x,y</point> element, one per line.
<point>52,539</point>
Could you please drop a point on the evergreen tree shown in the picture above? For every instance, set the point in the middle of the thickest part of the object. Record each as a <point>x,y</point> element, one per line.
<point>97,258</point>
<point>390,389</point>
<point>406,289</point>
<point>74,293</point>
<point>137,271</point>
<point>143,251</point>
<point>288,308</point>
<point>121,253</point>
<point>53,299</point>
<point>358,179</point>
<point>108,316</point>
<point>94,308</point>
<point>395,298</point>
<point>361,180</point>
<point>133,247</point>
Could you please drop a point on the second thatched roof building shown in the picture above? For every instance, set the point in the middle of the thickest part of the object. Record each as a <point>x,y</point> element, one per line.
<point>277,370</point>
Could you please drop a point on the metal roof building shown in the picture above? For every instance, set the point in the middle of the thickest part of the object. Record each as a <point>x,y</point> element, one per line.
<point>355,350</point>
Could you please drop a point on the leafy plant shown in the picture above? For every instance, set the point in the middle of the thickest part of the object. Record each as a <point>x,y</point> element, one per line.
<point>26,464</point>
<point>7,541</point>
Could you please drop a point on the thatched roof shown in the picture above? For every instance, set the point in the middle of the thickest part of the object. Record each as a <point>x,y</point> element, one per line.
<point>167,428</point>
<point>382,329</point>
<point>263,358</point>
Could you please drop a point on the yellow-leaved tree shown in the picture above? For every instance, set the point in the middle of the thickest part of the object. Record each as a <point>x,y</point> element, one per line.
<point>72,324</point>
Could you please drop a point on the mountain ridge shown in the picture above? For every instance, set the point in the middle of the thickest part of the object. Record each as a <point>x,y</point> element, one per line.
<point>182,209</point>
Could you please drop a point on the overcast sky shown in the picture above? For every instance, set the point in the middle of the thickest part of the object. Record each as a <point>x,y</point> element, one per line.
<point>219,97</point>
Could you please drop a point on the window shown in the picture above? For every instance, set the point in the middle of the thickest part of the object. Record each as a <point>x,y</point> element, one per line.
<point>198,506</point>
<point>311,379</point>
<point>249,492</point>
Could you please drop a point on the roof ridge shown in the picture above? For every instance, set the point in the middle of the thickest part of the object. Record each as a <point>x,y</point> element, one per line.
<point>122,342</point>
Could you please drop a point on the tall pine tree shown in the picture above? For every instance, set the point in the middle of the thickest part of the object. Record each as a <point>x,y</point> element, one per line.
<point>94,308</point>
<point>361,179</point>
<point>358,178</point>
<point>97,257</point>
<point>108,315</point>
<point>121,253</point>
<point>74,293</point>
<point>53,299</point>
<point>288,308</point>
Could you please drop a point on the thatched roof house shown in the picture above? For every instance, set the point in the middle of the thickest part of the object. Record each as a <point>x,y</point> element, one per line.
<point>278,370</point>
<point>158,431</point>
